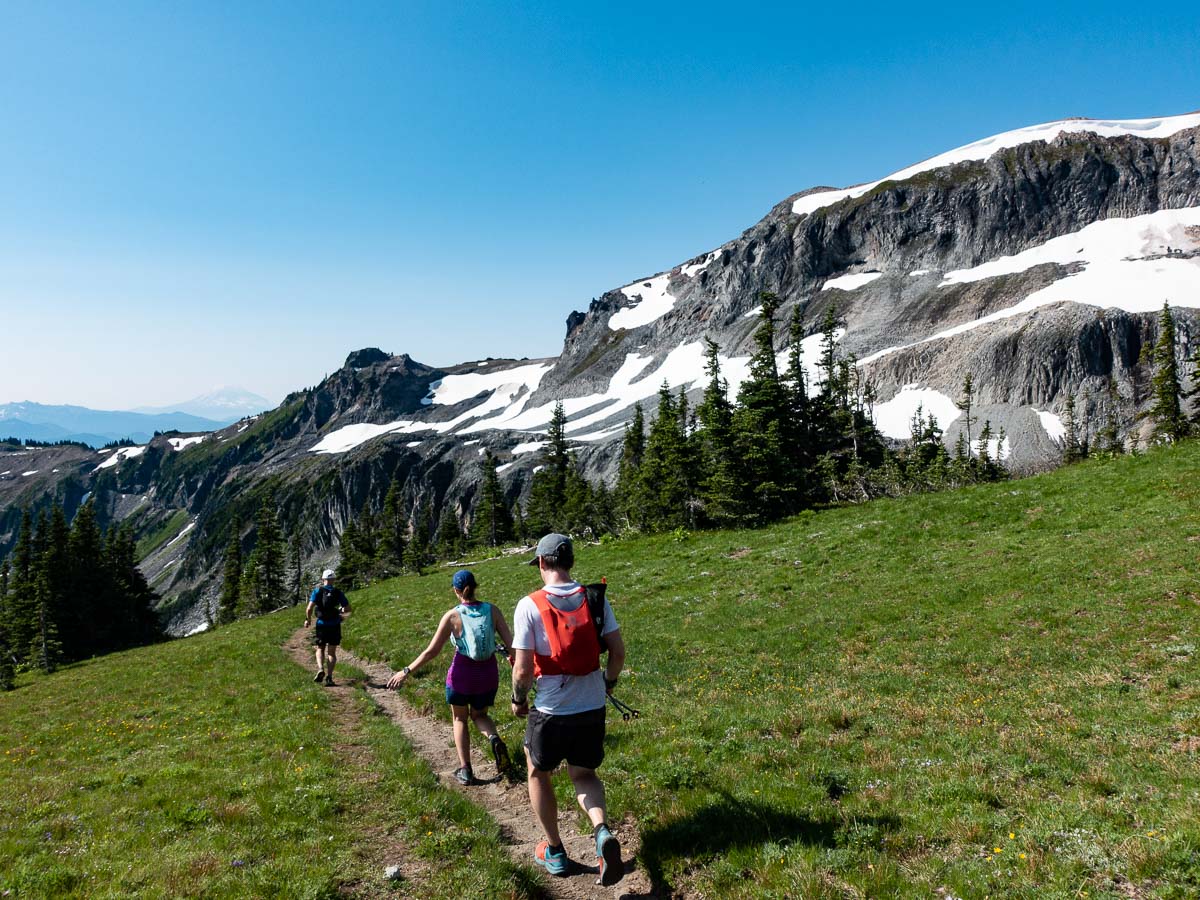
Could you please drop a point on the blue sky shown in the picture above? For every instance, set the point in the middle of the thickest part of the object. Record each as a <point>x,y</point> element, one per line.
<point>194,195</point>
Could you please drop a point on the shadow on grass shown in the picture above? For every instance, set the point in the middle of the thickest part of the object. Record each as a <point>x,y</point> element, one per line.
<point>731,823</point>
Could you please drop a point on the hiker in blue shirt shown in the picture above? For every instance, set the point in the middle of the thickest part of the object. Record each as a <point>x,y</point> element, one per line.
<point>331,607</point>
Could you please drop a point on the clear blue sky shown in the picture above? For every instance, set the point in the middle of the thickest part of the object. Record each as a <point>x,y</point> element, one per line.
<point>201,194</point>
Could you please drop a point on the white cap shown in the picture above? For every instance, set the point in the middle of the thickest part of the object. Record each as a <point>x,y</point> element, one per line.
<point>328,573</point>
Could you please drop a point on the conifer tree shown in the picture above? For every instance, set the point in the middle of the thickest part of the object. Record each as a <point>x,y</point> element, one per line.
<point>577,510</point>
<point>394,525</point>
<point>720,485</point>
<point>1169,422</point>
<point>135,599</point>
<point>1109,436</point>
<point>85,579</point>
<point>1072,447</point>
<point>547,491</point>
<point>663,482</point>
<point>629,475</point>
<point>492,524</point>
<point>300,579</point>
<point>798,431</point>
<point>230,601</point>
<point>351,565</point>
<point>449,534</point>
<point>22,597</point>
<point>966,402</point>
<point>7,669</point>
<point>416,554</point>
<point>759,422</point>
<point>263,586</point>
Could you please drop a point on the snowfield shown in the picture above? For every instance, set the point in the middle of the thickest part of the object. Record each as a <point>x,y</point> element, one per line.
<point>457,388</point>
<point>979,150</point>
<point>119,455</point>
<point>1123,264</point>
<point>178,444</point>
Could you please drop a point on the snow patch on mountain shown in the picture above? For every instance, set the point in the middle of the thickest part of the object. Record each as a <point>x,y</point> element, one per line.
<point>527,447</point>
<point>186,528</point>
<point>1052,424</point>
<point>119,455</point>
<point>894,417</point>
<point>178,444</point>
<point>691,270</point>
<point>656,302</point>
<point>1144,128</point>
<point>851,282</point>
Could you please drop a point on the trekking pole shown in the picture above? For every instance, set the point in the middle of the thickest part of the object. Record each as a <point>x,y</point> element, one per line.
<point>627,712</point>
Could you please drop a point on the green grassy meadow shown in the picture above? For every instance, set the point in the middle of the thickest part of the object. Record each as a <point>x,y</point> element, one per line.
<point>214,767</point>
<point>992,692</point>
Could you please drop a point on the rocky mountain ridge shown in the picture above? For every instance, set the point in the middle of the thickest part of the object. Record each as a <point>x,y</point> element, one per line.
<point>1036,260</point>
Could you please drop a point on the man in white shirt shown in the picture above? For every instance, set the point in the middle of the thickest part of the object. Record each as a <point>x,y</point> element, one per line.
<point>557,645</point>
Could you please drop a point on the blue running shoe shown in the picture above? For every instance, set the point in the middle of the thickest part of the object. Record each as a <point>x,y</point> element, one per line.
<point>554,863</point>
<point>608,850</point>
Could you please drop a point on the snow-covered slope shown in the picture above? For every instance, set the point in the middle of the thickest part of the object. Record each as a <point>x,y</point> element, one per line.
<point>982,149</point>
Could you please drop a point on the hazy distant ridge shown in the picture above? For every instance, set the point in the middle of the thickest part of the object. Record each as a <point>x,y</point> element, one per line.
<point>94,427</point>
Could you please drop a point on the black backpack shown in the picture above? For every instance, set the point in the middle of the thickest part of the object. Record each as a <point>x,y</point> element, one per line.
<point>329,604</point>
<point>595,602</point>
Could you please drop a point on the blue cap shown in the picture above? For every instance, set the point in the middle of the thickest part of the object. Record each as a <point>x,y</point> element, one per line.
<point>463,579</point>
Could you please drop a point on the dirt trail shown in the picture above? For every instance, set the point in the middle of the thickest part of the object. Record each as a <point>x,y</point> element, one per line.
<point>507,803</point>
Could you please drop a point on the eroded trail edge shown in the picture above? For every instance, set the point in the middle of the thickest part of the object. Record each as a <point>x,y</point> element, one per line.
<point>505,802</point>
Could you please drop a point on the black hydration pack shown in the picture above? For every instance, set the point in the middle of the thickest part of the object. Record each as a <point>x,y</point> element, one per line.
<point>595,602</point>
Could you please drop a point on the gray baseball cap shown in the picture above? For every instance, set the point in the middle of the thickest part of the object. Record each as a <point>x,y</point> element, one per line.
<point>550,545</point>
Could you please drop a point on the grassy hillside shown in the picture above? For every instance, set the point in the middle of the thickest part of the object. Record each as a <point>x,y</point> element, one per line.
<point>988,692</point>
<point>214,767</point>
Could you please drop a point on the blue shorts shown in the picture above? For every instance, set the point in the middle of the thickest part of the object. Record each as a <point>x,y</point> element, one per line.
<point>475,701</point>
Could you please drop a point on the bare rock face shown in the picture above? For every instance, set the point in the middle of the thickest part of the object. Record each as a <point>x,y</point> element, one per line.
<point>890,259</point>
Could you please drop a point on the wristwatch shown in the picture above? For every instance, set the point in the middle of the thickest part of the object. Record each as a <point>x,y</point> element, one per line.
<point>405,671</point>
<point>516,702</point>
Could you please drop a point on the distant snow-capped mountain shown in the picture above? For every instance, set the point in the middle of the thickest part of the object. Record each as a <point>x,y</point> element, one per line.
<point>41,422</point>
<point>225,405</point>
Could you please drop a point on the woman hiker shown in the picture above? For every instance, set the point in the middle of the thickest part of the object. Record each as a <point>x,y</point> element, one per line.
<point>473,677</point>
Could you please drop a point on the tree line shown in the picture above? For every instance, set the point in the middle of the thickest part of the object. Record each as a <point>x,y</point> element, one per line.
<point>71,591</point>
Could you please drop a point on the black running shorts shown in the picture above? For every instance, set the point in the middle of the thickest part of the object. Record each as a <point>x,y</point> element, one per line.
<point>578,738</point>
<point>330,635</point>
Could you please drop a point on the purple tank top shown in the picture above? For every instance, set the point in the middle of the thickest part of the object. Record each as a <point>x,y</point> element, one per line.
<point>472,676</point>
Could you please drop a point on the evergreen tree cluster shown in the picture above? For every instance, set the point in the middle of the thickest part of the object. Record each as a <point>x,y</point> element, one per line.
<point>71,591</point>
<point>782,446</point>
<point>260,581</point>
<point>1168,416</point>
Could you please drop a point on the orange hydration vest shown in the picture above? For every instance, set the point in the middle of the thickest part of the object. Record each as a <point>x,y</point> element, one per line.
<point>574,646</point>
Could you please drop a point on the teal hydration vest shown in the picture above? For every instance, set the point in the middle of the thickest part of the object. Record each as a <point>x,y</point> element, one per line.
<point>478,638</point>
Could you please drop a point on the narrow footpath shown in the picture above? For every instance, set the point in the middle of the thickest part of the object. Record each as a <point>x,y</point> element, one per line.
<point>505,802</point>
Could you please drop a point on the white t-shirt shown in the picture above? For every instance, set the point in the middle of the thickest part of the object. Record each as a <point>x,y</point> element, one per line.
<point>560,695</point>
